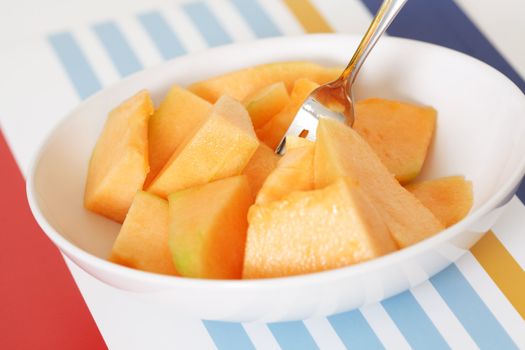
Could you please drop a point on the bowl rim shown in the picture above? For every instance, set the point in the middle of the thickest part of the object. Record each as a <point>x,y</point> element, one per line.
<point>169,282</point>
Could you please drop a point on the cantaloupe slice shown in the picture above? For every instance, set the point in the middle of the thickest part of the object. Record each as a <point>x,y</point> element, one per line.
<point>179,114</point>
<point>294,172</point>
<point>273,131</point>
<point>399,133</point>
<point>244,82</point>
<point>208,228</point>
<point>220,147</point>
<point>341,152</point>
<point>119,162</point>
<point>142,242</point>
<point>265,103</point>
<point>262,163</point>
<point>313,231</point>
<point>449,198</point>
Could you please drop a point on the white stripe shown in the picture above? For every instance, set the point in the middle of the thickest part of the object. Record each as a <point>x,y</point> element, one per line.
<point>96,55</point>
<point>139,41</point>
<point>231,20</point>
<point>324,334</point>
<point>492,296</point>
<point>282,17</point>
<point>442,317</point>
<point>384,327</point>
<point>125,322</point>
<point>24,20</point>
<point>503,24</point>
<point>507,227</point>
<point>182,26</point>
<point>261,336</point>
<point>349,16</point>
<point>36,93</point>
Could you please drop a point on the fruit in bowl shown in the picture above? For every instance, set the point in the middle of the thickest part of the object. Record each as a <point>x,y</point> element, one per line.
<point>471,135</point>
<point>325,204</point>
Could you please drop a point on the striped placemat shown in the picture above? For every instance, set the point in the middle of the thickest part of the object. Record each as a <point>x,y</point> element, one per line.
<point>478,302</point>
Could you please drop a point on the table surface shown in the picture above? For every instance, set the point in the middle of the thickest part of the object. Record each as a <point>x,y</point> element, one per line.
<point>55,53</point>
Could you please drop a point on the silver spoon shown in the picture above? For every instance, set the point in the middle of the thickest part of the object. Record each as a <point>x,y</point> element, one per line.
<point>334,100</point>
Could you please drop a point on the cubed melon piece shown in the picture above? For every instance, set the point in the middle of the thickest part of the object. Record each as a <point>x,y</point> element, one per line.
<point>142,242</point>
<point>294,172</point>
<point>313,231</point>
<point>207,229</point>
<point>262,163</point>
<point>341,152</point>
<point>119,162</point>
<point>400,133</point>
<point>241,83</point>
<point>265,103</point>
<point>273,131</point>
<point>449,198</point>
<point>179,114</point>
<point>219,148</point>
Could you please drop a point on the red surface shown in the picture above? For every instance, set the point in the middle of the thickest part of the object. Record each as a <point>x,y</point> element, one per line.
<point>40,305</point>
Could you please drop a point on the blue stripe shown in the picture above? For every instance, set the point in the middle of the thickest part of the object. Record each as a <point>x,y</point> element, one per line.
<point>354,331</point>
<point>118,48</point>
<point>444,23</point>
<point>161,34</point>
<point>75,63</point>
<point>257,18</point>
<point>228,335</point>
<point>292,336</point>
<point>413,322</point>
<point>470,310</point>
<point>207,24</point>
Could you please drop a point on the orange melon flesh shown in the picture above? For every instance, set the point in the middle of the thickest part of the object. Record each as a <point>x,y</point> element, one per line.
<point>341,152</point>
<point>119,162</point>
<point>179,114</point>
<point>296,142</point>
<point>244,82</point>
<point>220,147</point>
<point>262,163</point>
<point>273,131</point>
<point>207,229</point>
<point>449,198</point>
<point>294,172</point>
<point>400,133</point>
<point>266,103</point>
<point>142,242</point>
<point>313,231</point>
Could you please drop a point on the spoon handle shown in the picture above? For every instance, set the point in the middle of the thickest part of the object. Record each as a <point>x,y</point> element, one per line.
<point>384,16</point>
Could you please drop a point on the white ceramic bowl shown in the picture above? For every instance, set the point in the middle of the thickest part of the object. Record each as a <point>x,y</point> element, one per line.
<point>480,134</point>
